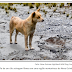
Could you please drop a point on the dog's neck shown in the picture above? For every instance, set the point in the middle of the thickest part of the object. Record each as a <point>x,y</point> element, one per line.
<point>30,20</point>
<point>34,22</point>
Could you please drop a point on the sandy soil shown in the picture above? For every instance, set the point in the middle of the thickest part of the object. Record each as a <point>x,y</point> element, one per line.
<point>52,38</point>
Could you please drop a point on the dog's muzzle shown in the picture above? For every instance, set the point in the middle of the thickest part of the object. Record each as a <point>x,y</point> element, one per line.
<point>42,20</point>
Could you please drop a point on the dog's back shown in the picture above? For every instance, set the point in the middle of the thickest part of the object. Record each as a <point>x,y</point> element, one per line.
<point>16,23</point>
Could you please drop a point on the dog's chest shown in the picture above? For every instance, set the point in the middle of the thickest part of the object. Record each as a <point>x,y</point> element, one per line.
<point>30,29</point>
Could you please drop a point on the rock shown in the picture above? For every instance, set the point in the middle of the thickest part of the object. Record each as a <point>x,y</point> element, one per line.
<point>53,51</point>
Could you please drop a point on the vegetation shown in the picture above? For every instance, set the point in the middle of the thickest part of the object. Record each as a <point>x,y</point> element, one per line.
<point>14,8</point>
<point>28,12</point>
<point>67,15</point>
<point>71,17</point>
<point>64,12</point>
<point>31,6</point>
<point>61,5</point>
<point>49,5</point>
<point>2,7</point>
<point>70,4</point>
<point>7,11</point>
<point>44,11</point>
<point>25,4</point>
<point>54,4</point>
<point>45,3</point>
<point>8,6</point>
<point>55,10</point>
<point>11,8</point>
<point>37,5</point>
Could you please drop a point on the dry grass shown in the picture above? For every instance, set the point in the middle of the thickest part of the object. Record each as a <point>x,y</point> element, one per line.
<point>8,6</point>
<point>31,5</point>
<point>71,17</point>
<point>49,6</point>
<point>37,5</point>
<point>55,10</point>
<point>25,4</point>
<point>67,15</point>
<point>64,12</point>
<point>54,4</point>
<point>11,8</point>
<point>5,8</point>
<point>2,7</point>
<point>28,12</point>
<point>7,11</point>
<point>61,5</point>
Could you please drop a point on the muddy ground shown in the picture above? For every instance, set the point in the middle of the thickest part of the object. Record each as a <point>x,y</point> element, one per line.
<point>52,38</point>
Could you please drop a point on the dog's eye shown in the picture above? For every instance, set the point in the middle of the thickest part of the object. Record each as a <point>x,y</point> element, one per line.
<point>38,17</point>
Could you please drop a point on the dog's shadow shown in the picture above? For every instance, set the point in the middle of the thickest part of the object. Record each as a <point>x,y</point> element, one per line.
<point>17,47</point>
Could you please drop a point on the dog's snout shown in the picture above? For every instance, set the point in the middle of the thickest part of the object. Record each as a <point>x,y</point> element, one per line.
<point>42,20</point>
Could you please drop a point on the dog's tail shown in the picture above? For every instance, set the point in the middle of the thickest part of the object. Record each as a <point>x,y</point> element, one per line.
<point>11,25</point>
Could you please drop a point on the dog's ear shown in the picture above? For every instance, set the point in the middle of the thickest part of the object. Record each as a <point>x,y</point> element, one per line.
<point>38,9</point>
<point>33,14</point>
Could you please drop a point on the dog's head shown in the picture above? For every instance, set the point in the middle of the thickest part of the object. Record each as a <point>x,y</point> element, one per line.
<point>36,16</point>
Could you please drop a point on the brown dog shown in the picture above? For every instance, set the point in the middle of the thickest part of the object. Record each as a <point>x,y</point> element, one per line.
<point>26,27</point>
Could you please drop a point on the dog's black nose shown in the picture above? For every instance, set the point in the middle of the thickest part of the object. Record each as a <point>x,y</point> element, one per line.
<point>42,20</point>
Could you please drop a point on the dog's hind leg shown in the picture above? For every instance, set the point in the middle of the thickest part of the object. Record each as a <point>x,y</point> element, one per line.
<point>16,37</point>
<point>11,31</point>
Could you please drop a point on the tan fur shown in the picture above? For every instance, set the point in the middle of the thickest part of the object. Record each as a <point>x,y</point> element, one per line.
<point>26,27</point>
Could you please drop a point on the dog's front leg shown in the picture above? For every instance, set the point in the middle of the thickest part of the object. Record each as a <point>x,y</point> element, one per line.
<point>26,42</point>
<point>30,41</point>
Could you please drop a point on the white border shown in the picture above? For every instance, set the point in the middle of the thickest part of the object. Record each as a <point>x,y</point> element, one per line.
<point>35,60</point>
<point>35,1</point>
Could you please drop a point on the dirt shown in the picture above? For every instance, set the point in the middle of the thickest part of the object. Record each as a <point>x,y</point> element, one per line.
<point>52,38</point>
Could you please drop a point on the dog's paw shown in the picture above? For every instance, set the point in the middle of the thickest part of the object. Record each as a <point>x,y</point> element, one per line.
<point>15,43</point>
<point>26,49</point>
<point>11,43</point>
<point>32,48</point>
